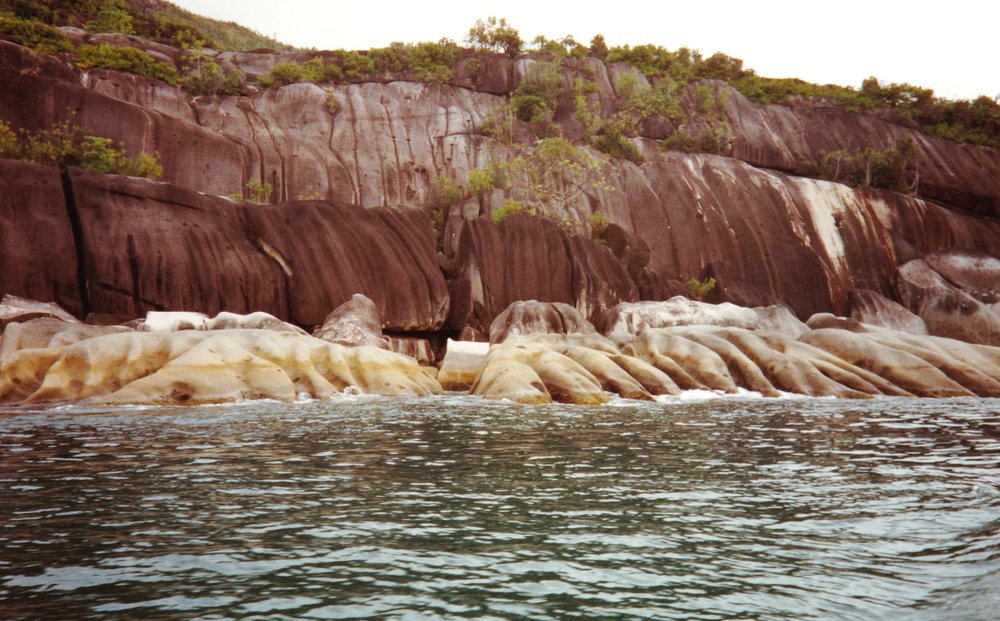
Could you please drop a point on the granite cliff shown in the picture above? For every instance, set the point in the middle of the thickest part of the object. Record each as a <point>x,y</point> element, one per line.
<point>353,165</point>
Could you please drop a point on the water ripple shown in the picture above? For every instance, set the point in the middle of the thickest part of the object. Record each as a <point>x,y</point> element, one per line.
<point>385,509</point>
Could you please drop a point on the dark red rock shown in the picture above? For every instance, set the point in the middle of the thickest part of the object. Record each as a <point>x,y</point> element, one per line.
<point>973,272</point>
<point>522,258</point>
<point>599,279</point>
<point>783,137</point>
<point>155,246</point>
<point>947,311</point>
<point>39,91</point>
<point>37,249</point>
<point>334,251</point>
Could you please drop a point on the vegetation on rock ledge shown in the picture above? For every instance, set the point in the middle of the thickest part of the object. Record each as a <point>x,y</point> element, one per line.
<point>65,144</point>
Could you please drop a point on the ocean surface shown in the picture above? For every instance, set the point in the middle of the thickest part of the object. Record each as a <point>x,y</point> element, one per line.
<point>456,508</point>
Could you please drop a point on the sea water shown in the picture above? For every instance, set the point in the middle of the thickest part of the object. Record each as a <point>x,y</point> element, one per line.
<point>457,508</point>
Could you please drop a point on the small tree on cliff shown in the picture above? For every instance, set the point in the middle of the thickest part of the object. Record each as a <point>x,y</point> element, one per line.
<point>495,35</point>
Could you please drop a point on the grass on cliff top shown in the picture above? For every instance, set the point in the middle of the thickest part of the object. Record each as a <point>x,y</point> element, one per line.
<point>155,20</point>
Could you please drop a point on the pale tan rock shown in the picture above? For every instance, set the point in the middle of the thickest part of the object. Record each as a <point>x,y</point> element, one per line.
<point>690,365</point>
<point>49,332</point>
<point>509,376</point>
<point>462,363</point>
<point>17,309</point>
<point>612,377</point>
<point>652,379</point>
<point>786,371</point>
<point>552,376</point>
<point>743,370</point>
<point>903,369</point>
<point>848,374</point>
<point>206,367</point>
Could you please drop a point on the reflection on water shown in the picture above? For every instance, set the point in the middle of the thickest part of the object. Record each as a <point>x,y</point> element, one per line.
<point>459,509</point>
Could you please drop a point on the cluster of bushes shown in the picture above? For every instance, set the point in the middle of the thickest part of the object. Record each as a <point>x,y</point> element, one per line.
<point>65,144</point>
<point>893,168</point>
<point>129,59</point>
<point>34,34</point>
<point>205,77</point>
<point>429,62</point>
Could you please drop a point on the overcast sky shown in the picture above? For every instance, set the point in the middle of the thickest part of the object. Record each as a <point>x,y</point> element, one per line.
<point>951,46</point>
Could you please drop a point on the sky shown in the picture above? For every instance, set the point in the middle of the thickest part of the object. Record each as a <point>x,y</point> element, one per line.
<point>950,46</point>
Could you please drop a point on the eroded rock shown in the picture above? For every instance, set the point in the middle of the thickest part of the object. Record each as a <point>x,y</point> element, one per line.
<point>353,323</point>
<point>194,366</point>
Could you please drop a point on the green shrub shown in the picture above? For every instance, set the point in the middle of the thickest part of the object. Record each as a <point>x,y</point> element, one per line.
<point>444,193</point>
<point>496,36</point>
<point>128,59</point>
<point>715,140</point>
<point>893,168</point>
<point>598,226</point>
<point>699,289</point>
<point>42,37</point>
<point>205,78</point>
<point>509,208</point>
<point>259,191</point>
<point>65,144</point>
<point>113,16</point>
<point>233,84</point>
<point>473,69</point>
<point>281,74</point>
<point>538,92</point>
<point>311,194</point>
<point>616,145</point>
<point>10,146</point>
<point>499,123</point>
<point>598,48</point>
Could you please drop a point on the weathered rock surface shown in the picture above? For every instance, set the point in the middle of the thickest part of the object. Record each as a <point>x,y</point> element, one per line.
<point>96,244</point>
<point>534,317</point>
<point>14,309</point>
<point>946,310</point>
<point>48,332</point>
<point>633,318</point>
<point>175,321</point>
<point>784,136</point>
<point>872,308</point>
<point>355,322</point>
<point>38,257</point>
<point>191,367</point>
<point>143,245</point>
<point>526,258</point>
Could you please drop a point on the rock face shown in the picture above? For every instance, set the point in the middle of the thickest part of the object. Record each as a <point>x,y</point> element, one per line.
<point>99,244</point>
<point>143,245</point>
<point>947,310</point>
<point>37,250</point>
<point>193,366</point>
